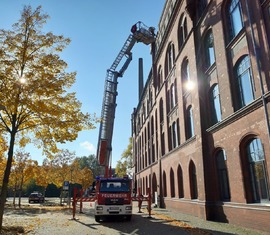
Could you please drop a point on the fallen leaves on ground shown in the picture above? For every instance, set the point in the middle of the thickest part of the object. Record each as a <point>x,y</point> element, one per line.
<point>181,224</point>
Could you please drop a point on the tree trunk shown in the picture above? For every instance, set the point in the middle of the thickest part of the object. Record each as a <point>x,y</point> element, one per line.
<point>6,177</point>
<point>14,194</point>
<point>20,191</point>
<point>20,196</point>
<point>61,196</point>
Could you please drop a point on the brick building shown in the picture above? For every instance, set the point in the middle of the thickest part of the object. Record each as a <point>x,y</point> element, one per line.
<point>201,127</point>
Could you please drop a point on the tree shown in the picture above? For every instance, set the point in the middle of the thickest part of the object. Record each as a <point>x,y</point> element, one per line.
<point>85,178</point>
<point>22,172</point>
<point>3,161</point>
<point>121,168</point>
<point>35,102</point>
<point>82,176</point>
<point>125,164</point>
<point>43,175</point>
<point>61,167</point>
<point>90,162</point>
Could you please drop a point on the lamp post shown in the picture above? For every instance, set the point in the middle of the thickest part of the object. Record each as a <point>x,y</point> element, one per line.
<point>69,190</point>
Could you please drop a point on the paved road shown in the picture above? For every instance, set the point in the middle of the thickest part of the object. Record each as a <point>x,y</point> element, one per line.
<point>161,221</point>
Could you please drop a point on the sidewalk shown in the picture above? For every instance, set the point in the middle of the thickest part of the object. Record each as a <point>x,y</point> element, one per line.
<point>197,225</point>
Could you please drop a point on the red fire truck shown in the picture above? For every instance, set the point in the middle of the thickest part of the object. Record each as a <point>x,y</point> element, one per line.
<point>113,195</point>
<point>113,198</point>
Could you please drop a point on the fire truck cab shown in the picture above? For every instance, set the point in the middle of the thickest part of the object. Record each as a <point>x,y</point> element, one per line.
<point>113,198</point>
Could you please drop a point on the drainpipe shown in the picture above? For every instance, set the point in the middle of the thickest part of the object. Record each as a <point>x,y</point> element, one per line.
<point>256,52</point>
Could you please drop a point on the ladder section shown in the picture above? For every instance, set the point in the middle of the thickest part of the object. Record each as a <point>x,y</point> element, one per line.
<point>126,50</point>
<point>109,101</point>
<point>140,33</point>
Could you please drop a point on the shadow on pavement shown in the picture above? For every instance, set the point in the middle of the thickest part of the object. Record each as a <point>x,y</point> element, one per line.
<point>141,223</point>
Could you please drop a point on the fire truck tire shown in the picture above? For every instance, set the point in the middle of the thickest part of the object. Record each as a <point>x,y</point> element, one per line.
<point>97,218</point>
<point>129,217</point>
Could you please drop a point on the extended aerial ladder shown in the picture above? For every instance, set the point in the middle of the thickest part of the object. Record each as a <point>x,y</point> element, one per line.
<point>140,33</point>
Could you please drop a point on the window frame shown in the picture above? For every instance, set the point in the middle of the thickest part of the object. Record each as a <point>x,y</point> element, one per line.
<point>246,90</point>
<point>253,164</point>
<point>215,104</point>
<point>209,53</point>
<point>222,174</point>
<point>236,22</point>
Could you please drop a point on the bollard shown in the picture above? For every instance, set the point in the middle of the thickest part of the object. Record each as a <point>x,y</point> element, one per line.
<point>81,195</point>
<point>149,203</point>
<point>74,201</point>
<point>140,199</point>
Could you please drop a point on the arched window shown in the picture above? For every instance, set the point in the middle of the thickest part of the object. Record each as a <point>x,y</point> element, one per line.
<point>215,104</point>
<point>152,145</point>
<point>172,183</point>
<point>257,171</point>
<point>235,18</point>
<point>209,49</point>
<point>178,131</point>
<point>223,180</point>
<point>161,112</point>
<point>182,31</point>
<point>159,78</point>
<point>174,135</point>
<point>173,96</point>
<point>170,56</point>
<point>185,71</point>
<point>189,123</point>
<point>154,183</point>
<point>164,184</point>
<point>245,81</point>
<point>193,181</point>
<point>185,75</point>
<point>180,182</point>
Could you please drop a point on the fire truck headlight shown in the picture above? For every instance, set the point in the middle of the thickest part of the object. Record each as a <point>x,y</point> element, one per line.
<point>128,208</point>
<point>99,208</point>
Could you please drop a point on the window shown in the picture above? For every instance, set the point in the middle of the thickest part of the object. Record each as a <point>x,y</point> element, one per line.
<point>173,96</point>
<point>185,71</point>
<point>161,112</point>
<point>164,184</point>
<point>182,31</point>
<point>190,123</point>
<point>180,182</point>
<point>222,172</point>
<point>245,82</point>
<point>159,78</point>
<point>209,49</point>
<point>215,105</point>
<point>257,170</point>
<point>174,135</point>
<point>185,74</point>
<point>114,186</point>
<point>236,22</point>
<point>178,131</point>
<point>169,58</point>
<point>193,181</point>
<point>172,183</point>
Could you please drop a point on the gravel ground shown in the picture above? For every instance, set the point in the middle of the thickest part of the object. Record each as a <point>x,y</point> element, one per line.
<point>44,220</point>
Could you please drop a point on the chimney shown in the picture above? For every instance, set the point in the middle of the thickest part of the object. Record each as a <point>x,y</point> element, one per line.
<point>140,77</point>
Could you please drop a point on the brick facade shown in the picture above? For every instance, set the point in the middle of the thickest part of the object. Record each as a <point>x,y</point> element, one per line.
<point>205,151</point>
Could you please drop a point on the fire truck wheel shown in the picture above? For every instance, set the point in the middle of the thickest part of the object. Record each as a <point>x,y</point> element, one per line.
<point>128,217</point>
<point>97,218</point>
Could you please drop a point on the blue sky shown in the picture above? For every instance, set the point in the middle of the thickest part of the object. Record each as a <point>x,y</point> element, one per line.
<point>97,29</point>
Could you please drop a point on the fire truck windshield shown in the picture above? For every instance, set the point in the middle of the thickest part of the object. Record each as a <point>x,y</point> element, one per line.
<point>114,186</point>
